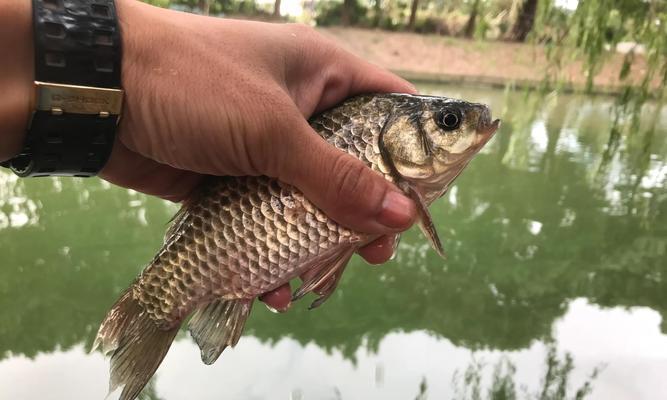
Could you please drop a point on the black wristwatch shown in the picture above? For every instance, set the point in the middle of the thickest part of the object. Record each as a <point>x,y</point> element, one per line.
<point>77,97</point>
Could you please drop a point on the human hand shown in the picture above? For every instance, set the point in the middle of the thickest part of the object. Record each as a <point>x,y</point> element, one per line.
<point>226,97</point>
<point>208,96</point>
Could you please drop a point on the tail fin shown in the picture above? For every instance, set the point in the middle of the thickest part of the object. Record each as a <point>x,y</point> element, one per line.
<point>136,344</point>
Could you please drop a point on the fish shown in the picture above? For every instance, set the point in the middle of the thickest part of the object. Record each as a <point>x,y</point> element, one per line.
<point>240,237</point>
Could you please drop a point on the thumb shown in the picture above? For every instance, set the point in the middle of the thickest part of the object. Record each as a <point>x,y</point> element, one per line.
<point>342,186</point>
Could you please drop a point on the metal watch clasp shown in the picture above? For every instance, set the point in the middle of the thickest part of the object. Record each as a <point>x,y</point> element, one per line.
<point>59,99</point>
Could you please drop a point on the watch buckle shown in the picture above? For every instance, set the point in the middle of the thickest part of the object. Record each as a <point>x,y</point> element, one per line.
<point>72,99</point>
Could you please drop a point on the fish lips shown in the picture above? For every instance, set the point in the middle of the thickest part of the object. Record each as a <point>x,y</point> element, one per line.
<point>485,129</point>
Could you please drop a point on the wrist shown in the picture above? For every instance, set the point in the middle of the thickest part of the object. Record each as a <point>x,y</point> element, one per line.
<point>128,13</point>
<point>16,81</point>
<point>135,22</point>
<point>148,37</point>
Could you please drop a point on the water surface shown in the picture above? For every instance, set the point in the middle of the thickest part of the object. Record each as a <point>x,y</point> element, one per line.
<point>557,250</point>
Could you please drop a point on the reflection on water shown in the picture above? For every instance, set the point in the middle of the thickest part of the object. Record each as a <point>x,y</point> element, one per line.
<point>553,385</point>
<point>400,367</point>
<point>568,202</point>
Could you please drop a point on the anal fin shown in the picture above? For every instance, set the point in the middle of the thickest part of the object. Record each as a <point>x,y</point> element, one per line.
<point>217,325</point>
<point>323,278</point>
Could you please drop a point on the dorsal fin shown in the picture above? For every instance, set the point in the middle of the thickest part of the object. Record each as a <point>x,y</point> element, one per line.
<point>179,221</point>
<point>176,224</point>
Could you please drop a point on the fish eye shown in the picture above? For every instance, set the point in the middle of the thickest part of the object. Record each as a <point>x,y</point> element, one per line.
<point>448,119</point>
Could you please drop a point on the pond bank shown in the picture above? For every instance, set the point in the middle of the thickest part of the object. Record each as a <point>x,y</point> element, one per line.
<point>443,59</point>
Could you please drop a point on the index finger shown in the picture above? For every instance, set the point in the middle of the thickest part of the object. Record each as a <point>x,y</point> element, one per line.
<point>353,75</point>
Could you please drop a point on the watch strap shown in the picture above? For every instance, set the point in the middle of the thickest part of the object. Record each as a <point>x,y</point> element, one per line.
<point>77,42</point>
<point>65,145</point>
<point>77,89</point>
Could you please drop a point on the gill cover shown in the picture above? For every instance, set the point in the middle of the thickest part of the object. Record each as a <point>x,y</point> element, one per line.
<point>425,145</point>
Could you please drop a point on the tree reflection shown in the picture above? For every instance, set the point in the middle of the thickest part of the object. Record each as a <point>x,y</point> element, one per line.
<point>150,392</point>
<point>526,229</point>
<point>59,274</point>
<point>555,382</point>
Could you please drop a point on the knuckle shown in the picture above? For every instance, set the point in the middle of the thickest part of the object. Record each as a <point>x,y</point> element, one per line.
<point>264,136</point>
<point>276,145</point>
<point>308,41</point>
<point>301,29</point>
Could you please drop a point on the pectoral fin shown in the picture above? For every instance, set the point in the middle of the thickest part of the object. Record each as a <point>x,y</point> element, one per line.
<point>324,278</point>
<point>425,221</point>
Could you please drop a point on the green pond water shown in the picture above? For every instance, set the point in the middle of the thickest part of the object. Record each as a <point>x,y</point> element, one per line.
<point>555,280</point>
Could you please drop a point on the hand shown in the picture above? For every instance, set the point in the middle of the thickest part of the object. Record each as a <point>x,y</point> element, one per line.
<point>225,97</point>
<point>208,96</point>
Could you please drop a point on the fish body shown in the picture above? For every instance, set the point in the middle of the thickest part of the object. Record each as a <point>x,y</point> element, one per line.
<point>239,237</point>
<point>244,236</point>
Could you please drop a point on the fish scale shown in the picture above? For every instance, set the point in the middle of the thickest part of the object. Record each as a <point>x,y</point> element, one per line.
<point>230,248</point>
<point>244,236</point>
<point>240,237</point>
<point>259,231</point>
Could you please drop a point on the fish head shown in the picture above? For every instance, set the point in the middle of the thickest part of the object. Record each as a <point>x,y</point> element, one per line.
<point>429,140</point>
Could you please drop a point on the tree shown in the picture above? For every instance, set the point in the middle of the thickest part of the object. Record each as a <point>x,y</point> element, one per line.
<point>276,9</point>
<point>524,21</point>
<point>472,20</point>
<point>204,7</point>
<point>377,17</point>
<point>349,7</point>
<point>413,15</point>
<point>591,33</point>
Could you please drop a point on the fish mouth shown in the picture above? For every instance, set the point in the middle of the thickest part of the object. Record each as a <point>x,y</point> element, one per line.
<point>489,129</point>
<point>485,127</point>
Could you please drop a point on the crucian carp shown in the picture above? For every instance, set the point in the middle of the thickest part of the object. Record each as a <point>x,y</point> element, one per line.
<point>239,237</point>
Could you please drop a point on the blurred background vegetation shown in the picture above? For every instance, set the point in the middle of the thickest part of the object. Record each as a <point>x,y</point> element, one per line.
<point>616,47</point>
<point>591,29</point>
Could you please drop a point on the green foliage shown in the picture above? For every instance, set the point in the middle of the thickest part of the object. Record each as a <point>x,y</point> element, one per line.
<point>217,7</point>
<point>159,3</point>
<point>482,27</point>
<point>592,33</point>
<point>330,13</point>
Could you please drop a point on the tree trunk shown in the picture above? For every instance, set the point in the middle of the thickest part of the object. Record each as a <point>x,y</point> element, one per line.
<point>348,10</point>
<point>413,15</point>
<point>377,18</point>
<point>524,22</point>
<point>276,9</point>
<point>204,7</point>
<point>472,20</point>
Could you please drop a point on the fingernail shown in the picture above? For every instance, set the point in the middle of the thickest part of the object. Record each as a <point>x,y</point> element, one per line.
<point>278,310</point>
<point>273,310</point>
<point>397,211</point>
<point>397,241</point>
